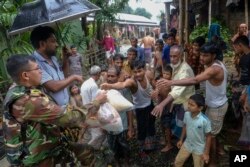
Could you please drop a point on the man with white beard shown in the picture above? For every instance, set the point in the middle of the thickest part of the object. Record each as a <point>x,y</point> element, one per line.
<point>179,94</point>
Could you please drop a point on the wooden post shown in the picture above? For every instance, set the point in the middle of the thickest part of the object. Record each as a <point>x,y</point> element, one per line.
<point>209,12</point>
<point>167,13</point>
<point>246,12</point>
<point>180,22</point>
<point>186,22</point>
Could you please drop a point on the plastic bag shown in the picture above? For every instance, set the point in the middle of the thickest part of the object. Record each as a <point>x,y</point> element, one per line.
<point>109,118</point>
<point>120,103</point>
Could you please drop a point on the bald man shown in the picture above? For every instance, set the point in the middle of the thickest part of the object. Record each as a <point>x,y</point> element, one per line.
<point>242,30</point>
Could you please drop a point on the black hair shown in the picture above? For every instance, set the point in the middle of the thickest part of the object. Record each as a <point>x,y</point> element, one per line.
<point>198,99</point>
<point>242,40</point>
<point>160,41</point>
<point>134,38</point>
<point>71,86</point>
<point>40,34</point>
<point>118,56</point>
<point>167,68</point>
<point>132,49</point>
<point>164,36</point>
<point>16,64</point>
<point>209,47</point>
<point>72,46</point>
<point>138,64</point>
<point>199,40</point>
<point>174,31</point>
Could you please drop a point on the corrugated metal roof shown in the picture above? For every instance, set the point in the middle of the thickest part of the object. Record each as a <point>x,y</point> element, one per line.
<point>123,18</point>
<point>133,18</point>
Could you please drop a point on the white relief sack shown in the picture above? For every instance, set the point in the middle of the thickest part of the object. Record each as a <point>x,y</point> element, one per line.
<point>120,103</point>
<point>109,118</point>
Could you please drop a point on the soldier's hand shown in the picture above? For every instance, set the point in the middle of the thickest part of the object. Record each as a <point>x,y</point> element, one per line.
<point>101,97</point>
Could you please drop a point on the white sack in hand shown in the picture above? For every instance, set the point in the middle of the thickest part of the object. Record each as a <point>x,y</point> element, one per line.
<point>120,103</point>
<point>109,118</point>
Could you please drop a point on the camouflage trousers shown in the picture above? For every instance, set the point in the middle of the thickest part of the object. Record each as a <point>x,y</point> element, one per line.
<point>75,155</point>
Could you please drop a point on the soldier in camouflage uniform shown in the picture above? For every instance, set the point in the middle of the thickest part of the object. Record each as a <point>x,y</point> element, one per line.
<point>32,121</point>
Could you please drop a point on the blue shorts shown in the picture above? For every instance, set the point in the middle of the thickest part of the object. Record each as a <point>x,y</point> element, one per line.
<point>166,117</point>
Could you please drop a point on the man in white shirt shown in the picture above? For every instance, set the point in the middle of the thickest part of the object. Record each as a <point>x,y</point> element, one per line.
<point>90,88</point>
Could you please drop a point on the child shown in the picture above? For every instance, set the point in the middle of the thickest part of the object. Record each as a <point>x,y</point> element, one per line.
<point>158,53</point>
<point>166,117</point>
<point>75,98</point>
<point>197,130</point>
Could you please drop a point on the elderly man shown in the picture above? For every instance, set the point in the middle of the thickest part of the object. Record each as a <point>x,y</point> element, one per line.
<point>89,88</point>
<point>242,30</point>
<point>32,121</point>
<point>215,76</point>
<point>178,95</point>
<point>44,41</point>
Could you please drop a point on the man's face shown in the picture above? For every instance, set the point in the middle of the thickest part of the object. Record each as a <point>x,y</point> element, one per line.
<point>196,46</point>
<point>206,58</point>
<point>118,63</point>
<point>242,28</point>
<point>175,56</point>
<point>133,42</point>
<point>170,41</point>
<point>112,77</point>
<point>33,74</point>
<point>237,48</point>
<point>74,50</point>
<point>139,74</point>
<point>50,46</point>
<point>131,56</point>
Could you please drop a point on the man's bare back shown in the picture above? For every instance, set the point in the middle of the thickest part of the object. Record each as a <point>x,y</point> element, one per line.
<point>148,41</point>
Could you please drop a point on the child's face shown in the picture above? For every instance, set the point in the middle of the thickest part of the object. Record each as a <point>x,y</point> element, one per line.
<point>196,46</point>
<point>74,90</point>
<point>193,107</point>
<point>166,75</point>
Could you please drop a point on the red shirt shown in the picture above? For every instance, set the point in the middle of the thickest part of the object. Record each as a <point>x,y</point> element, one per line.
<point>108,43</point>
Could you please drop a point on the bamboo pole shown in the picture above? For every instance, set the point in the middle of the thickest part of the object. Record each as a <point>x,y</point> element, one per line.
<point>209,12</point>
<point>186,21</point>
<point>180,22</point>
<point>167,11</point>
<point>246,12</point>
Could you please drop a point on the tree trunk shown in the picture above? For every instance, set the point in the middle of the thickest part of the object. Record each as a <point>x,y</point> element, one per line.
<point>246,11</point>
<point>181,22</point>
<point>186,22</point>
<point>209,12</point>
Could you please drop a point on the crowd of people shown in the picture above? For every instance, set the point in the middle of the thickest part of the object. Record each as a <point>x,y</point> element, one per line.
<point>46,107</point>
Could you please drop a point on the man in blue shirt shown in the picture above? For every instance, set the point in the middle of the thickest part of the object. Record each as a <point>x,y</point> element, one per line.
<point>140,51</point>
<point>169,41</point>
<point>45,43</point>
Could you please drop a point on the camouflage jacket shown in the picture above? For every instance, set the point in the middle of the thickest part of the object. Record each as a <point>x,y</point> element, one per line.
<point>43,119</point>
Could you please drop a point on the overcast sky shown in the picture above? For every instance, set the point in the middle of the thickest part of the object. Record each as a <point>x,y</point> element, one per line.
<point>150,6</point>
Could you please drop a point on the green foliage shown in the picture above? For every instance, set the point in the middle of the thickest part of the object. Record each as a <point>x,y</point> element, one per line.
<point>203,31</point>
<point>69,34</point>
<point>199,31</point>
<point>138,11</point>
<point>142,12</point>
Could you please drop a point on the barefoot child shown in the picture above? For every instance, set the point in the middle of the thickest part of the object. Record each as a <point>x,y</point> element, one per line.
<point>75,97</point>
<point>166,117</point>
<point>197,130</point>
